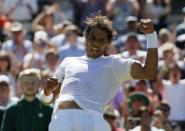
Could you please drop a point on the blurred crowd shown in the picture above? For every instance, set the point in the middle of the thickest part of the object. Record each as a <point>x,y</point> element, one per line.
<point>36,35</point>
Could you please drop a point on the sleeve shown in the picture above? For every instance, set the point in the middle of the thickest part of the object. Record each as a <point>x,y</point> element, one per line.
<point>60,72</point>
<point>122,68</point>
<point>7,122</point>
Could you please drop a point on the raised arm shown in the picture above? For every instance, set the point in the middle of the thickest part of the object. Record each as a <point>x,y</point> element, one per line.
<point>149,69</point>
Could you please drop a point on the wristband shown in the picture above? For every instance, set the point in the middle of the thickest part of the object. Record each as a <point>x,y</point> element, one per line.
<point>152,41</point>
<point>46,99</point>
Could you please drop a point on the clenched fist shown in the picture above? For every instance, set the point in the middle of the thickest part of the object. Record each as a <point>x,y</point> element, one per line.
<point>146,26</point>
<point>51,85</point>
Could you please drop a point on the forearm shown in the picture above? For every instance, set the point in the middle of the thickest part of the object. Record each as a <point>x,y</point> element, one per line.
<point>149,69</point>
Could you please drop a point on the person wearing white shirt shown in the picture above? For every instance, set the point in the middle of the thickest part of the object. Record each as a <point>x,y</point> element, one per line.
<point>89,82</point>
<point>172,91</point>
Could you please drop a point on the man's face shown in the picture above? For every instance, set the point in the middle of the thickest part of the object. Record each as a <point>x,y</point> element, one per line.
<point>29,85</point>
<point>4,92</point>
<point>97,40</point>
<point>18,36</point>
<point>132,43</point>
<point>175,74</point>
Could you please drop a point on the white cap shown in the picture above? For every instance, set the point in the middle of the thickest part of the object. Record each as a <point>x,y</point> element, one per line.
<point>16,26</point>
<point>4,78</point>
<point>40,36</point>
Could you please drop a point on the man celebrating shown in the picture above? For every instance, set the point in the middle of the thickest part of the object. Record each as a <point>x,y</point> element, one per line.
<point>90,81</point>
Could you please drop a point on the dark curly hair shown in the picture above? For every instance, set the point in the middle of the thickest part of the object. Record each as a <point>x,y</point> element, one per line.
<point>5,57</point>
<point>101,22</point>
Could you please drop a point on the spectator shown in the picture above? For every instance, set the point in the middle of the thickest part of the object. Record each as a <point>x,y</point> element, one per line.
<point>27,9</point>
<point>52,61</point>
<point>161,118</point>
<point>133,49</point>
<point>60,40</point>
<point>164,36</point>
<point>6,99</point>
<point>17,46</point>
<point>135,101</point>
<point>36,59</point>
<point>158,10</point>
<point>131,27</point>
<point>65,10</point>
<point>71,45</point>
<point>28,113</point>
<point>172,91</point>
<point>170,56</point>
<point>45,21</point>
<point>145,124</point>
<point>6,69</point>
<point>119,10</point>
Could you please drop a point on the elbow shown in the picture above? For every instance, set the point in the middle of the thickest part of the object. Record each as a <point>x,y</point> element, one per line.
<point>152,76</point>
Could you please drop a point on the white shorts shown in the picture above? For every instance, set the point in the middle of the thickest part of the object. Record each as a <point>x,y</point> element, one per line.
<point>78,120</point>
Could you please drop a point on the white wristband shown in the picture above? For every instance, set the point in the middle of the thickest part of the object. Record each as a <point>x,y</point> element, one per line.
<point>44,98</point>
<point>152,41</point>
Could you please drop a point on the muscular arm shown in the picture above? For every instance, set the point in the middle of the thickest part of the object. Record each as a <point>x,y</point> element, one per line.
<point>149,70</point>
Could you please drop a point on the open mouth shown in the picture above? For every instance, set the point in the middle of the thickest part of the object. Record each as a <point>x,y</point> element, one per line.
<point>94,50</point>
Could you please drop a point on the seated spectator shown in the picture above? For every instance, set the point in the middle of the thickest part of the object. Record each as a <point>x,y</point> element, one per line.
<point>17,46</point>
<point>6,69</point>
<point>135,101</point>
<point>172,91</point>
<point>60,40</point>
<point>131,27</point>
<point>45,20</point>
<point>132,48</point>
<point>52,61</point>
<point>170,57</point>
<point>145,123</point>
<point>71,45</point>
<point>27,9</point>
<point>29,113</point>
<point>161,118</point>
<point>158,11</point>
<point>119,10</point>
<point>36,59</point>
<point>6,99</point>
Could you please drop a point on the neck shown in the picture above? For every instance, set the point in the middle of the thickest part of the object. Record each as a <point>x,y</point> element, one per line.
<point>29,98</point>
<point>145,128</point>
<point>132,52</point>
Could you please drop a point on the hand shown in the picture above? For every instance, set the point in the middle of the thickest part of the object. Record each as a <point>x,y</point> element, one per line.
<point>146,26</point>
<point>51,85</point>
